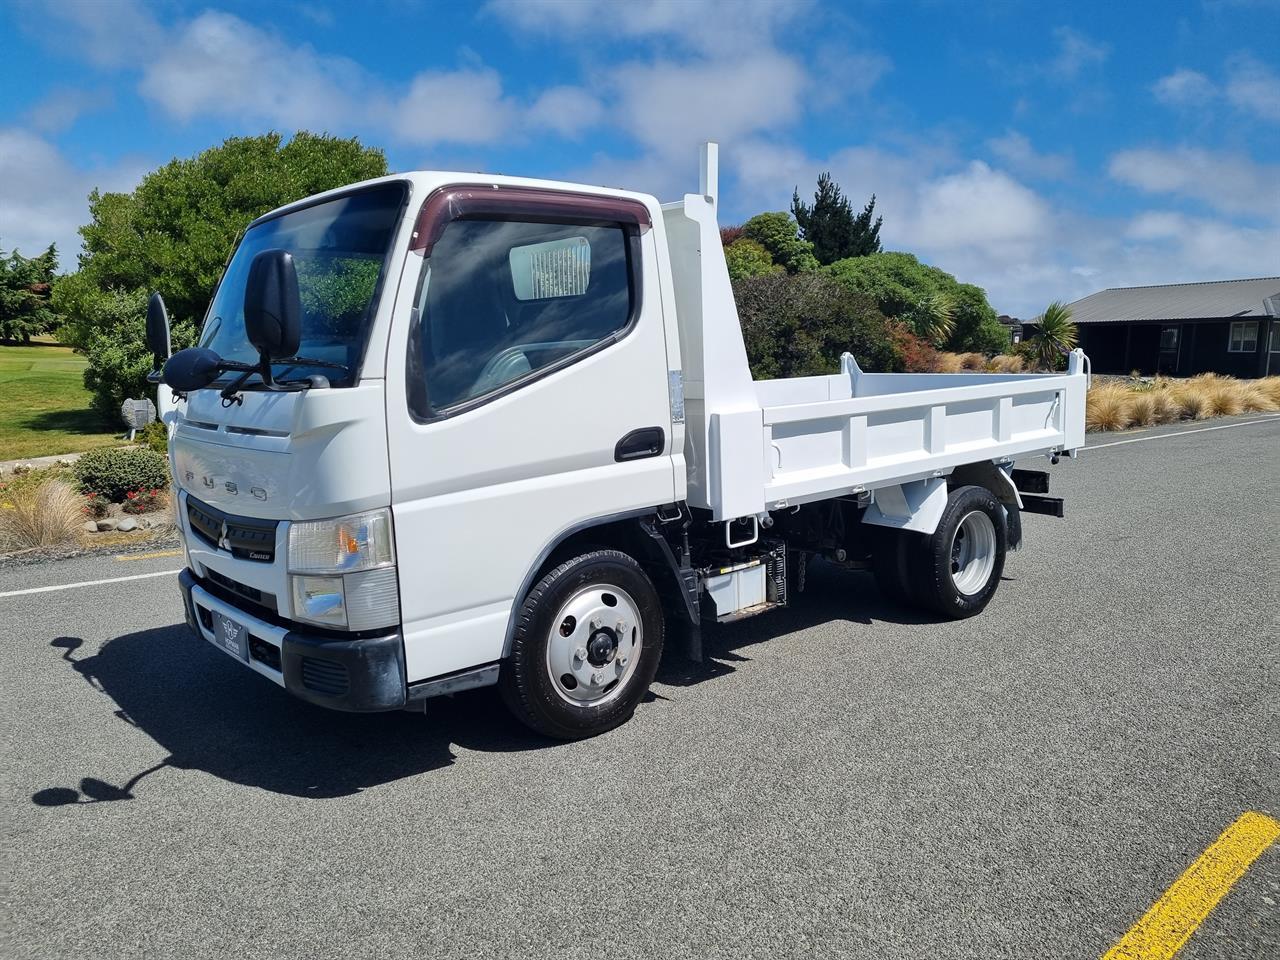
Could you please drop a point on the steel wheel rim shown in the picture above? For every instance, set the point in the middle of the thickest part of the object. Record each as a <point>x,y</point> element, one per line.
<point>594,644</point>
<point>973,553</point>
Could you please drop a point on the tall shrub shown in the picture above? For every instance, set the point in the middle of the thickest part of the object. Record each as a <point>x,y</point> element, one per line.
<point>798,325</point>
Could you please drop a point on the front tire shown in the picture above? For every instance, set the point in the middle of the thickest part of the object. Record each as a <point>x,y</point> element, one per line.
<point>586,647</point>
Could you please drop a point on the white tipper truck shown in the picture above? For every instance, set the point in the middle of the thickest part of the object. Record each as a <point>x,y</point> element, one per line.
<point>448,430</point>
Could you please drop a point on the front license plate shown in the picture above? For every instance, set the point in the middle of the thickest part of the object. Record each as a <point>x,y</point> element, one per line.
<point>231,636</point>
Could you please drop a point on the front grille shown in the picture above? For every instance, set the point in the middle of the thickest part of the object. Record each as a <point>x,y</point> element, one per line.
<point>324,676</point>
<point>260,597</point>
<point>245,537</point>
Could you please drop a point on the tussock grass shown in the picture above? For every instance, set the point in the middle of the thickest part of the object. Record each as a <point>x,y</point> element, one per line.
<point>1107,407</point>
<point>1256,399</point>
<point>1113,405</point>
<point>45,515</point>
<point>1142,408</point>
<point>949,363</point>
<point>1191,401</point>
<point>1164,409</point>
<point>1271,387</point>
<point>1006,363</point>
<point>958,362</point>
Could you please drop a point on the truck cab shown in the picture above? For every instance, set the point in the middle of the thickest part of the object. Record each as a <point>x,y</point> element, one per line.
<point>444,430</point>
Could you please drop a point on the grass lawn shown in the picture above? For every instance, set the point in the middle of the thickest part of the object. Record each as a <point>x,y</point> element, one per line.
<point>44,407</point>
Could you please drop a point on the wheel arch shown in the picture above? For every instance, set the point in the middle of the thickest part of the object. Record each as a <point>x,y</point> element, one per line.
<point>634,533</point>
<point>987,474</point>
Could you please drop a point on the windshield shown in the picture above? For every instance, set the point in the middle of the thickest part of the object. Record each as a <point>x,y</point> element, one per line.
<point>340,249</point>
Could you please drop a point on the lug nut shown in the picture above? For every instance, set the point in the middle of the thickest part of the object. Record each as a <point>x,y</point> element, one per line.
<point>580,653</point>
<point>622,662</point>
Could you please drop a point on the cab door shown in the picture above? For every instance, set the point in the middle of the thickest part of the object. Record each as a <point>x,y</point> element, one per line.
<point>527,396</point>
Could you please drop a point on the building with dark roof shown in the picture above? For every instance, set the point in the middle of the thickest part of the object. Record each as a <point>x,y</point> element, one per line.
<point>1181,329</point>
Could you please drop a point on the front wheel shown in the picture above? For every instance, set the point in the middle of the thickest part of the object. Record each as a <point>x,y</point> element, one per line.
<point>955,570</point>
<point>587,643</point>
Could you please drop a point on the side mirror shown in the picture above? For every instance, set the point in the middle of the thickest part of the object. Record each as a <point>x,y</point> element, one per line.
<point>192,369</point>
<point>158,330</point>
<point>272,308</point>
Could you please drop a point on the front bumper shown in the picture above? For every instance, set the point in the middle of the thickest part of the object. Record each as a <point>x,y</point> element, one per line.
<point>358,675</point>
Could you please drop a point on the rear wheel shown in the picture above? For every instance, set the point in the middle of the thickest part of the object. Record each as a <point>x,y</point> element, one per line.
<point>587,644</point>
<point>956,569</point>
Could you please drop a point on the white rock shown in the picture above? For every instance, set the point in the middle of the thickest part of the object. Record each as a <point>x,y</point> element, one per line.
<point>106,525</point>
<point>127,524</point>
<point>89,526</point>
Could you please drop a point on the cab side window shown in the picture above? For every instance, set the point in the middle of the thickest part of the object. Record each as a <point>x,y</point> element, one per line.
<point>502,300</point>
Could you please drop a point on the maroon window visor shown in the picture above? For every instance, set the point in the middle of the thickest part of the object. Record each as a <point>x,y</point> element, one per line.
<point>554,206</point>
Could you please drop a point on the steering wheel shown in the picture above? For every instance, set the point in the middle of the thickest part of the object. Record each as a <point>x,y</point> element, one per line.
<point>503,366</point>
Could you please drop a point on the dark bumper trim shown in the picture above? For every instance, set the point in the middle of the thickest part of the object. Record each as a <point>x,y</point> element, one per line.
<point>471,678</point>
<point>358,675</point>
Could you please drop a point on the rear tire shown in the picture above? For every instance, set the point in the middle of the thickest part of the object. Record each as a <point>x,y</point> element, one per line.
<point>603,606</point>
<point>955,570</point>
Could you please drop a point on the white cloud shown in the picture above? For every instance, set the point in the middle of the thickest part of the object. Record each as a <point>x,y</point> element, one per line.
<point>1184,88</point>
<point>218,65</point>
<point>726,27</point>
<point>979,207</point>
<point>1249,85</point>
<point>460,106</point>
<point>1017,153</point>
<point>1076,53</point>
<point>566,110</point>
<point>1168,247</point>
<point>1253,87</point>
<point>107,33</point>
<point>670,106</point>
<point>44,197</point>
<point>63,106</point>
<point>1231,183</point>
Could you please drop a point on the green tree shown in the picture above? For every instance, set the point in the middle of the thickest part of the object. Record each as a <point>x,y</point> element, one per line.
<point>780,235</point>
<point>116,348</point>
<point>916,293</point>
<point>1054,335</point>
<point>173,233</point>
<point>747,258</point>
<point>798,325</point>
<point>26,294</point>
<point>831,225</point>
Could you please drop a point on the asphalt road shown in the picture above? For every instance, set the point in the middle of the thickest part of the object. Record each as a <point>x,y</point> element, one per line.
<point>842,780</point>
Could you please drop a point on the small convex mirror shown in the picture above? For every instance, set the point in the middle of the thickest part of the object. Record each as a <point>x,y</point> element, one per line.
<point>191,369</point>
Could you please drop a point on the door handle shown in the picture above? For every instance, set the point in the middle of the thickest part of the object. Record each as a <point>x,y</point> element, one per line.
<point>639,444</point>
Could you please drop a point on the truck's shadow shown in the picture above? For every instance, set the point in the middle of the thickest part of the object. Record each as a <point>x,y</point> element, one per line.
<point>211,714</point>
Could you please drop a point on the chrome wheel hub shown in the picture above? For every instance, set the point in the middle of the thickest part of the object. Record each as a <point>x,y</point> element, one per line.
<point>594,645</point>
<point>973,553</point>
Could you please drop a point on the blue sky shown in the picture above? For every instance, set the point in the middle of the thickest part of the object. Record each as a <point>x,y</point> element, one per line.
<point>1041,150</point>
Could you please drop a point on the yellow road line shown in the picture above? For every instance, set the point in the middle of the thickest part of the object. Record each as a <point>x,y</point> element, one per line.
<point>1175,916</point>
<point>149,556</point>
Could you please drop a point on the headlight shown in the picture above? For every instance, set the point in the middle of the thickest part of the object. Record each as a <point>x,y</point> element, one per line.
<point>342,572</point>
<point>359,542</point>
